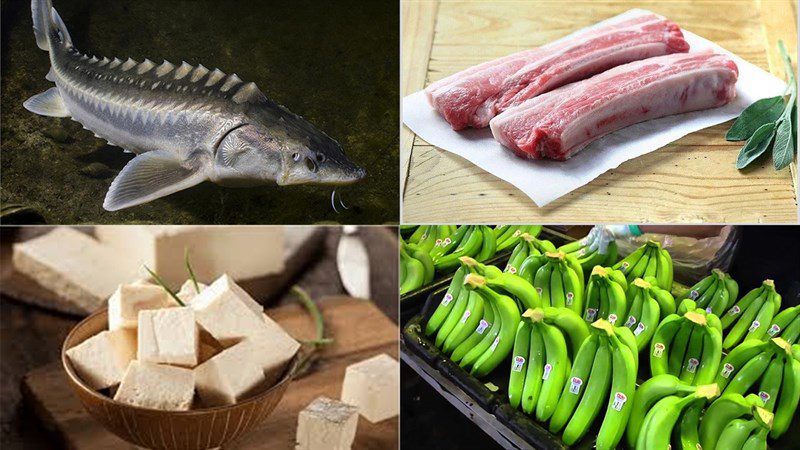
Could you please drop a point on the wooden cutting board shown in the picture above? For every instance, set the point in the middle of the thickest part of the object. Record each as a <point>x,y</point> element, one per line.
<point>359,331</point>
<point>302,244</point>
<point>691,180</point>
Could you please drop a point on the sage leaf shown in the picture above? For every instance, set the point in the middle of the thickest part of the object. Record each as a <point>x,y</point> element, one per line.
<point>754,116</point>
<point>756,145</point>
<point>783,151</point>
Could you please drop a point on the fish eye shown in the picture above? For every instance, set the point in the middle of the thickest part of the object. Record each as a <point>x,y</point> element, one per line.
<point>296,156</point>
<point>312,166</point>
<point>320,157</point>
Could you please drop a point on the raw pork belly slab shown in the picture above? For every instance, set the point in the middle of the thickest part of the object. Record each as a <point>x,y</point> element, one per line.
<point>560,123</point>
<point>471,98</point>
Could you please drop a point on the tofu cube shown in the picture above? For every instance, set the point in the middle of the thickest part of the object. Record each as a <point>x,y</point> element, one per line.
<point>227,312</point>
<point>274,349</point>
<point>101,360</point>
<point>326,424</point>
<point>373,385</point>
<point>188,292</point>
<point>243,252</point>
<point>157,386</point>
<point>168,336</point>
<point>229,376</point>
<point>126,302</point>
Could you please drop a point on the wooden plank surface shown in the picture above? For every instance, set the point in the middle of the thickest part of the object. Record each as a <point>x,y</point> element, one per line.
<point>690,180</point>
<point>62,414</point>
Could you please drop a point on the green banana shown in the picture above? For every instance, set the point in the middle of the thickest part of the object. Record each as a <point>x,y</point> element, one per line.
<point>781,321</point>
<point>770,382</point>
<point>516,286</point>
<point>749,374</point>
<point>557,295</point>
<point>745,321</point>
<point>737,358</point>
<point>476,338</point>
<point>792,331</point>
<point>691,359</point>
<point>571,325</point>
<point>660,421</point>
<point>541,282</point>
<point>469,247</point>
<point>446,245</point>
<point>466,325</point>
<point>736,433</point>
<point>519,363</point>
<point>664,270</point>
<point>415,273</point>
<point>555,371</point>
<point>509,319</point>
<point>735,311</point>
<point>422,256</point>
<point>648,393</point>
<point>688,431</point>
<point>756,441</point>
<point>573,289</point>
<point>788,398</point>
<point>623,387</point>
<point>518,255</point>
<point>626,264</point>
<point>487,340</point>
<point>444,307</point>
<point>576,382</point>
<point>678,347</point>
<point>722,411</point>
<point>660,344</point>
<point>531,266</point>
<point>488,245</point>
<point>594,395</point>
<point>533,375</point>
<point>711,356</point>
<point>759,325</point>
<point>453,318</point>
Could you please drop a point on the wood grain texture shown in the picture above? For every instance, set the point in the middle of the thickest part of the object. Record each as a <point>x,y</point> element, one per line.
<point>691,180</point>
<point>61,413</point>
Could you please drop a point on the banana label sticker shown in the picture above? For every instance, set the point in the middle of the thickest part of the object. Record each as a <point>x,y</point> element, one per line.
<point>639,329</point>
<point>424,236</point>
<point>482,326</point>
<point>658,349</point>
<point>582,252</point>
<point>539,290</point>
<point>575,385</point>
<point>438,243</point>
<point>591,313</point>
<point>692,364</point>
<point>612,318</point>
<point>494,344</point>
<point>625,266</point>
<point>764,396</point>
<point>547,369</point>
<point>734,311</point>
<point>447,241</point>
<point>512,269</point>
<point>754,326</point>
<point>517,233</point>
<point>619,401</point>
<point>727,370</point>
<point>709,310</point>
<point>447,299</point>
<point>519,361</point>
<point>773,330</point>
<point>570,296</point>
<point>466,315</point>
<point>630,322</point>
<point>694,294</point>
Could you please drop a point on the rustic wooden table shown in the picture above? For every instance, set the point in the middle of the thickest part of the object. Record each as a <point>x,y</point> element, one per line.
<point>690,180</point>
<point>31,337</point>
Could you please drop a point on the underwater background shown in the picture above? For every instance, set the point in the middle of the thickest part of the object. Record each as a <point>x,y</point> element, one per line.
<point>333,62</point>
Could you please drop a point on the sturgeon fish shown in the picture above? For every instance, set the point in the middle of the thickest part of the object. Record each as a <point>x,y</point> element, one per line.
<point>186,124</point>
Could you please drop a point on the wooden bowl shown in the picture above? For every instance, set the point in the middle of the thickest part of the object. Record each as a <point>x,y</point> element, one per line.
<point>157,429</point>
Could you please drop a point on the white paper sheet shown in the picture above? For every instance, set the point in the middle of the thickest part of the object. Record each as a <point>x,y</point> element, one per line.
<point>545,181</point>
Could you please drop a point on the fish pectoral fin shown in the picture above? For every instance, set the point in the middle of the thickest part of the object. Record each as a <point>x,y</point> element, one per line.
<point>48,103</point>
<point>153,175</point>
<point>51,76</point>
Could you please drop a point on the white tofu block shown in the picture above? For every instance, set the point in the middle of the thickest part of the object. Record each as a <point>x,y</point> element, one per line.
<point>188,292</point>
<point>229,376</point>
<point>168,336</point>
<point>243,252</point>
<point>227,312</point>
<point>126,302</point>
<point>72,264</point>
<point>274,349</point>
<point>156,386</point>
<point>326,424</point>
<point>101,360</point>
<point>373,385</point>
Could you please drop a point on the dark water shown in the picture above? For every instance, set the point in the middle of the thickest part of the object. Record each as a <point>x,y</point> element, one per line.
<point>334,63</point>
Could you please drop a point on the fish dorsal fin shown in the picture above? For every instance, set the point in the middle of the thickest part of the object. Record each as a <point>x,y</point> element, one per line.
<point>48,103</point>
<point>198,73</point>
<point>115,63</point>
<point>127,65</point>
<point>248,93</point>
<point>94,60</point>
<point>183,70</point>
<point>103,62</point>
<point>230,82</point>
<point>214,77</point>
<point>165,68</point>
<point>84,57</point>
<point>153,175</point>
<point>145,66</point>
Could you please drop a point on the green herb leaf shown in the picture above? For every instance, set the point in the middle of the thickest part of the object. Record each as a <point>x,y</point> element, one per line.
<point>756,145</point>
<point>189,269</point>
<point>164,285</point>
<point>312,308</point>
<point>755,116</point>
<point>783,151</point>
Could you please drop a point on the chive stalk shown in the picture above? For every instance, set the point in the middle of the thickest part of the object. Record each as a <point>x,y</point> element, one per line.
<point>164,285</point>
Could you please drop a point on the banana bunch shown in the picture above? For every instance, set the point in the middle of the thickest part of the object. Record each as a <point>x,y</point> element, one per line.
<point>527,246</point>
<point>505,282</point>
<point>590,258</point>
<point>508,236</point>
<point>605,295</point>
<point>785,325</point>
<point>666,414</point>
<point>714,293</point>
<point>416,267</point>
<point>688,346</point>
<point>648,305</point>
<point>604,372</point>
<point>720,421</point>
<point>425,236</point>
<point>649,260</point>
<point>476,241</point>
<point>768,369</point>
<point>546,342</point>
<point>752,315</point>
<point>558,280</point>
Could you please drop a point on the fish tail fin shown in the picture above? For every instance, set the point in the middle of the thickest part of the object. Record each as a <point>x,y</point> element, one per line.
<point>47,25</point>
